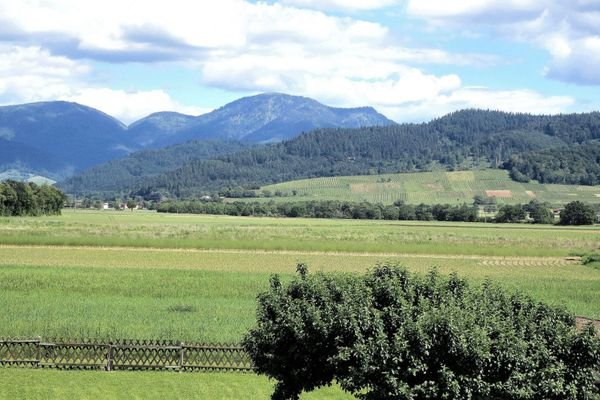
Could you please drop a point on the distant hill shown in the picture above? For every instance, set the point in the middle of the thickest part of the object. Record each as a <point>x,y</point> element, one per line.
<point>264,118</point>
<point>56,139</point>
<point>460,140</point>
<point>117,177</point>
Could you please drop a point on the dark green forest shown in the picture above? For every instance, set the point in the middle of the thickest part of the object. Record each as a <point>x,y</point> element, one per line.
<point>117,177</point>
<point>460,140</point>
<point>575,164</point>
<point>27,198</point>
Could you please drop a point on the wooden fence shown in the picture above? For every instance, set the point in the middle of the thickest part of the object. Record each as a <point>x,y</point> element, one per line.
<point>122,355</point>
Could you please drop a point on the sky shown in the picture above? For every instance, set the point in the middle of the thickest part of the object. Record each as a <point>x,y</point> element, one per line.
<point>412,60</point>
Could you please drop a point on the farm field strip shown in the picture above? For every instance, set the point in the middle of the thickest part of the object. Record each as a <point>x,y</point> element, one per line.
<point>151,230</point>
<point>209,296</point>
<point>454,187</point>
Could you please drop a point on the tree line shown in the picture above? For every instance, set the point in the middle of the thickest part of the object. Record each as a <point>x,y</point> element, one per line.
<point>574,213</point>
<point>29,199</point>
<point>325,209</point>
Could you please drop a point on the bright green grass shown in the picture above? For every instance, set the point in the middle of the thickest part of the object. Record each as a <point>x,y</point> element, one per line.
<point>430,188</point>
<point>130,293</point>
<point>27,384</point>
<point>215,266</point>
<point>127,229</point>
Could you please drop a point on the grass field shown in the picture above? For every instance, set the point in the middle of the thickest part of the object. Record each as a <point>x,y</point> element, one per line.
<point>151,230</point>
<point>433,188</point>
<point>195,278</point>
<point>23,384</point>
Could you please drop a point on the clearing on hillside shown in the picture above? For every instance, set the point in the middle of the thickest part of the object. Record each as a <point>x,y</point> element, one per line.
<point>435,187</point>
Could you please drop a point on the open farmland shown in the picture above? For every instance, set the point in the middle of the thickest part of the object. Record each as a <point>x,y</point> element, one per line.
<point>195,278</point>
<point>438,187</point>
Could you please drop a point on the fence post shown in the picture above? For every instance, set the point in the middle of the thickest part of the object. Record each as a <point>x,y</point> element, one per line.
<point>38,351</point>
<point>110,355</point>
<point>181,354</point>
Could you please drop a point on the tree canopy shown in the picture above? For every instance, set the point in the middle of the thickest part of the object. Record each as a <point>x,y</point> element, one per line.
<point>27,198</point>
<point>391,334</point>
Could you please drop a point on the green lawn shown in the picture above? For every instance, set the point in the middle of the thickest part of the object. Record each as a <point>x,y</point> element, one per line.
<point>27,384</point>
<point>431,188</point>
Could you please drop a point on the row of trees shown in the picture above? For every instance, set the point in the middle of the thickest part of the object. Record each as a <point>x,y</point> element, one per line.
<point>575,213</point>
<point>28,198</point>
<point>326,209</point>
<point>394,335</point>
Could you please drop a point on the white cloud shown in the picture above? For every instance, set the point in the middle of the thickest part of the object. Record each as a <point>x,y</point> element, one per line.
<point>30,74</point>
<point>520,100</point>
<point>568,30</point>
<point>254,47</point>
<point>345,5</point>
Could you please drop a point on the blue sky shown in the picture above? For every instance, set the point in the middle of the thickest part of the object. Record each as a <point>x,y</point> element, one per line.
<point>413,60</point>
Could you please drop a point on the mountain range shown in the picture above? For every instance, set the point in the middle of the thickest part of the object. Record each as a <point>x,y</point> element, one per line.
<point>57,139</point>
<point>466,139</point>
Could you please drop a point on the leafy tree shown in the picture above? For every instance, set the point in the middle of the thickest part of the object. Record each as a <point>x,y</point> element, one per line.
<point>540,213</point>
<point>577,213</point>
<point>394,335</point>
<point>511,213</point>
<point>21,198</point>
<point>301,327</point>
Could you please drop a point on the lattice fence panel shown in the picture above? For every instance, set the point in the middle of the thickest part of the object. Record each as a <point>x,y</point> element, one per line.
<point>211,357</point>
<point>15,352</point>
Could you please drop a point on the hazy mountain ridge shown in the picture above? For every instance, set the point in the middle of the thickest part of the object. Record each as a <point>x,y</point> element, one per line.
<point>57,138</point>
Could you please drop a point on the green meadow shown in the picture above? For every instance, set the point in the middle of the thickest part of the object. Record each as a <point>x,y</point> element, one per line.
<point>143,275</point>
<point>438,187</point>
<point>195,278</point>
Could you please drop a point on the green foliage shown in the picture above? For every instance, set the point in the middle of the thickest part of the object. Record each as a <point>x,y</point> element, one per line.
<point>300,329</point>
<point>510,213</point>
<point>540,213</point>
<point>574,164</point>
<point>395,335</point>
<point>22,198</point>
<point>578,213</point>
<point>325,209</point>
<point>117,177</point>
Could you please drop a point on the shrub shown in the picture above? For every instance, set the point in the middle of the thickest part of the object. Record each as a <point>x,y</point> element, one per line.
<point>394,335</point>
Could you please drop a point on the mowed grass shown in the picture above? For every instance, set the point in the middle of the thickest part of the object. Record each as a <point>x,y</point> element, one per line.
<point>454,187</point>
<point>27,384</point>
<point>151,230</point>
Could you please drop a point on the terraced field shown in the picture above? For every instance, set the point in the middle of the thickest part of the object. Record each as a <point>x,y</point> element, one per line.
<point>433,187</point>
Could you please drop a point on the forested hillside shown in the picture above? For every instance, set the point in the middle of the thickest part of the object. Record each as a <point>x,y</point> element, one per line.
<point>459,140</point>
<point>119,176</point>
<point>575,164</point>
